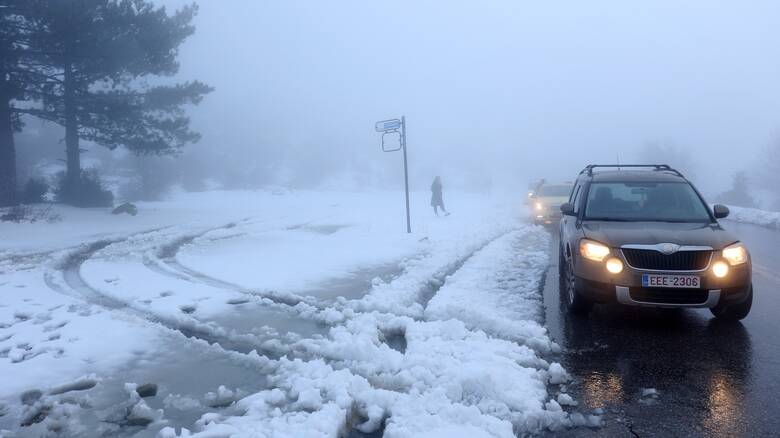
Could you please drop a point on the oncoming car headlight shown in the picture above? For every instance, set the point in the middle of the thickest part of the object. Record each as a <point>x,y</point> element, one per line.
<point>592,250</point>
<point>735,254</point>
<point>539,206</point>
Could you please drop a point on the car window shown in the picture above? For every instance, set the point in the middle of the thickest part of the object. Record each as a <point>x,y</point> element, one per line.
<point>645,201</point>
<point>577,197</point>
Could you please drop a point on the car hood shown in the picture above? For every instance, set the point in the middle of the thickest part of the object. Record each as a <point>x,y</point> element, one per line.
<point>552,200</point>
<point>616,234</point>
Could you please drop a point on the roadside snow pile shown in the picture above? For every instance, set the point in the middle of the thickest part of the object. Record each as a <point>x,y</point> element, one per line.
<point>436,333</point>
<point>456,372</point>
<point>755,216</point>
<point>498,290</point>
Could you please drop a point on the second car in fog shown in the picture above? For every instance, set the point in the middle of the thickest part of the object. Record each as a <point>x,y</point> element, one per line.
<point>546,202</point>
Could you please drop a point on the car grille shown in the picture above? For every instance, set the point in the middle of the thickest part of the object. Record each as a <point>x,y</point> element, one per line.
<point>669,296</point>
<point>679,261</point>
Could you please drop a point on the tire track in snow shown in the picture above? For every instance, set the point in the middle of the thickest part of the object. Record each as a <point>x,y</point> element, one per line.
<point>70,270</point>
<point>440,279</point>
<point>166,255</point>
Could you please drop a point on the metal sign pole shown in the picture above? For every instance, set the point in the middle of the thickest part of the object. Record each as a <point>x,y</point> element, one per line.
<point>406,175</point>
<point>396,126</point>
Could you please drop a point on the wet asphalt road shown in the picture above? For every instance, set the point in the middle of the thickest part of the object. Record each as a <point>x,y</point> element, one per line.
<point>712,379</point>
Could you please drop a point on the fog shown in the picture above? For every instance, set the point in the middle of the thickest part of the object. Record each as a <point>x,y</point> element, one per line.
<point>494,93</point>
<point>252,251</point>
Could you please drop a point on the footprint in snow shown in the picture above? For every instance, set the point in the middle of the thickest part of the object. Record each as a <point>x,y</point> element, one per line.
<point>21,316</point>
<point>165,293</point>
<point>188,308</point>
<point>42,318</point>
<point>237,301</point>
<point>52,327</point>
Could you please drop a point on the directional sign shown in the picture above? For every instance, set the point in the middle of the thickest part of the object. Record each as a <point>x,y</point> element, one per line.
<point>394,139</point>
<point>388,125</point>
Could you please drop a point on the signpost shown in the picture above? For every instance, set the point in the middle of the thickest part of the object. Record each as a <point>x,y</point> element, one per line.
<point>392,127</point>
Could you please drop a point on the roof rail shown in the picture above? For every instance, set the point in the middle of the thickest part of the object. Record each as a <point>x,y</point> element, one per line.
<point>656,167</point>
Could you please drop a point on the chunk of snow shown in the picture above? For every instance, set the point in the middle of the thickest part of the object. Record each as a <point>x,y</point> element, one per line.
<point>566,400</point>
<point>649,392</point>
<point>558,375</point>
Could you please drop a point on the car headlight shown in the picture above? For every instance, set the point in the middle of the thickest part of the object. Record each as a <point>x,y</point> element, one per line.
<point>735,254</point>
<point>539,206</point>
<point>592,250</point>
<point>720,269</point>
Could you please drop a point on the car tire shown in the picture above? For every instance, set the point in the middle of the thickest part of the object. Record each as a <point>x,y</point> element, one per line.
<point>734,312</point>
<point>575,303</point>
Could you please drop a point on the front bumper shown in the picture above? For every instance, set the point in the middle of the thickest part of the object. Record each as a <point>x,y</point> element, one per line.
<point>547,216</point>
<point>596,284</point>
<point>648,297</point>
<point>667,298</point>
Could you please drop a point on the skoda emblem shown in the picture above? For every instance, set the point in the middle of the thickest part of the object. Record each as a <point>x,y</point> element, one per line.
<point>668,248</point>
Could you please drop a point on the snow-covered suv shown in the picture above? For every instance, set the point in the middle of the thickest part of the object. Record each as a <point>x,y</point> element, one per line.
<point>643,235</point>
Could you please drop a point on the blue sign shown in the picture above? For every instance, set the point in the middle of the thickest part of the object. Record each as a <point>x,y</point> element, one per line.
<point>388,125</point>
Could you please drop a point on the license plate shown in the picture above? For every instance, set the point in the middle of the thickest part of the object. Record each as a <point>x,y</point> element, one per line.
<point>681,281</point>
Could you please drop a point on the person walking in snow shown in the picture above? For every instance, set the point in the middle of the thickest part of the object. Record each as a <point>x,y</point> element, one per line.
<point>436,198</point>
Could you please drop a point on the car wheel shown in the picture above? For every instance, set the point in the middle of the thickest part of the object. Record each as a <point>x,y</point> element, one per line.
<point>734,312</point>
<point>575,302</point>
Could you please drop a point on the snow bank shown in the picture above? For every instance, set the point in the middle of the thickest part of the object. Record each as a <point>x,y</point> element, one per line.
<point>457,370</point>
<point>498,289</point>
<point>755,216</point>
<point>450,342</point>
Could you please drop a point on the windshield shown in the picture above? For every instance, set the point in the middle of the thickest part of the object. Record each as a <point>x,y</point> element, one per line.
<point>645,201</point>
<point>555,191</point>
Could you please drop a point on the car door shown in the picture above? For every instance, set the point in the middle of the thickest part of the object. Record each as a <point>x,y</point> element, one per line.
<point>569,226</point>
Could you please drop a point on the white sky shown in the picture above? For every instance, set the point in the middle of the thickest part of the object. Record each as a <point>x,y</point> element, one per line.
<point>489,88</point>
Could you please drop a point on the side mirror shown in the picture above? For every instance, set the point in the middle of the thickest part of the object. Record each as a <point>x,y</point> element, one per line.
<point>567,209</point>
<point>720,211</point>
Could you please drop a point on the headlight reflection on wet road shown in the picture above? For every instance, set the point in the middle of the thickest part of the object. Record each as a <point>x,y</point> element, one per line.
<point>725,406</point>
<point>602,389</point>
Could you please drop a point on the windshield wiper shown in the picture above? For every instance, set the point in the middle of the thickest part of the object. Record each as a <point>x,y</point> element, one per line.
<point>681,221</point>
<point>610,219</point>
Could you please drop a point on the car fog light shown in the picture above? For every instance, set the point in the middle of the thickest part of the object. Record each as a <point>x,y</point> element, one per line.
<point>720,269</point>
<point>539,206</point>
<point>614,266</point>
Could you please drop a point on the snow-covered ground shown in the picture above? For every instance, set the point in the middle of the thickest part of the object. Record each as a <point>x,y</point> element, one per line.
<point>755,216</point>
<point>288,314</point>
